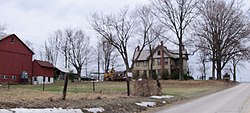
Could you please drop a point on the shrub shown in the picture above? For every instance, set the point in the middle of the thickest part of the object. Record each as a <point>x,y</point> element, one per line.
<point>154,76</point>
<point>165,75</point>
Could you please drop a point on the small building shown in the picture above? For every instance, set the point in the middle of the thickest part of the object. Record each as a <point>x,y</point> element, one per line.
<point>15,60</point>
<point>60,73</point>
<point>43,72</point>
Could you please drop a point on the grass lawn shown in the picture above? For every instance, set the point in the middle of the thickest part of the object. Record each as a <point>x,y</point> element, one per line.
<point>176,88</point>
<point>111,96</point>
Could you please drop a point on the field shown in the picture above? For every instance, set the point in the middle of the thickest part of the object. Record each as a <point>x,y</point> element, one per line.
<point>109,95</point>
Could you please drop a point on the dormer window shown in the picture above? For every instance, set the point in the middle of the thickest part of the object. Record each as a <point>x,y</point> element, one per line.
<point>12,40</point>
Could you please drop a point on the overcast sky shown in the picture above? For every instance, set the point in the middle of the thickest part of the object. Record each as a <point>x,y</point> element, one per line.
<point>34,20</point>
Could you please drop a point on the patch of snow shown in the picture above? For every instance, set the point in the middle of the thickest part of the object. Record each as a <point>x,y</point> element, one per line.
<point>164,102</point>
<point>146,104</point>
<point>0,85</point>
<point>95,110</point>
<point>46,110</point>
<point>140,79</point>
<point>161,97</point>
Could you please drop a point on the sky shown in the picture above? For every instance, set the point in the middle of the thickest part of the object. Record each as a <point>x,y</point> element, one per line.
<point>35,20</point>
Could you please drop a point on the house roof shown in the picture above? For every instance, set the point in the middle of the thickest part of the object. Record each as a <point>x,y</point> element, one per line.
<point>145,54</point>
<point>44,63</point>
<point>66,70</point>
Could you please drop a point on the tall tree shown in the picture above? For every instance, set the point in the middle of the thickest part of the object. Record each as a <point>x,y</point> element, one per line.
<point>107,51</point>
<point>236,61</point>
<point>52,47</point>
<point>148,30</point>
<point>222,29</point>
<point>79,50</point>
<point>63,45</point>
<point>176,15</point>
<point>203,58</point>
<point>117,29</point>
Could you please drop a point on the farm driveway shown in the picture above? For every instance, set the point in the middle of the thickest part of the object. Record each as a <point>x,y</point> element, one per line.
<point>233,100</point>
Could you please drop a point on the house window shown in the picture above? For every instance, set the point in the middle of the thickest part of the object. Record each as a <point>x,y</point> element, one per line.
<point>159,61</point>
<point>12,40</point>
<point>137,64</point>
<point>48,79</point>
<point>4,76</point>
<point>35,79</point>
<point>158,52</point>
<point>13,77</point>
<point>145,63</point>
<point>166,61</point>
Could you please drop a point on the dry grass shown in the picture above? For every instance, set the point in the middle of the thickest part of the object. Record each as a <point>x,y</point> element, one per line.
<point>105,89</point>
<point>107,95</point>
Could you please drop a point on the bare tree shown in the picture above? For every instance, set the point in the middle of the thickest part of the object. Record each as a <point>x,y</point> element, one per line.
<point>203,66</point>
<point>117,29</point>
<point>79,50</point>
<point>176,15</point>
<point>2,30</point>
<point>236,61</point>
<point>107,50</point>
<point>148,30</point>
<point>63,45</point>
<point>29,44</point>
<point>222,29</point>
<point>51,47</point>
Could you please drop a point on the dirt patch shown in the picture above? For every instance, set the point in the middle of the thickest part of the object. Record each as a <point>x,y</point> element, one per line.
<point>111,102</point>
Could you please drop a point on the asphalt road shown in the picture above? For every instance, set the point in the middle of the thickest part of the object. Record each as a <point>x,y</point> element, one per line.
<point>233,100</point>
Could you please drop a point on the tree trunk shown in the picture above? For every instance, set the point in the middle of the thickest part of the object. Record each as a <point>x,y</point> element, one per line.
<point>234,74</point>
<point>213,66</point>
<point>66,61</point>
<point>181,60</point>
<point>162,59</point>
<point>127,79</point>
<point>79,74</point>
<point>218,60</point>
<point>204,70</point>
<point>218,69</point>
<point>151,64</point>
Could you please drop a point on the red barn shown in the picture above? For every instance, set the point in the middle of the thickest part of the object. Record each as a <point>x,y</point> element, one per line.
<point>15,60</point>
<point>43,71</point>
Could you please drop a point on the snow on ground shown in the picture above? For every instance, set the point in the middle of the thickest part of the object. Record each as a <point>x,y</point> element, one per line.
<point>95,110</point>
<point>161,97</point>
<point>146,104</point>
<point>46,110</point>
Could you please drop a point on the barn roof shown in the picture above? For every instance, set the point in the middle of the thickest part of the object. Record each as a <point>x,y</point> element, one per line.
<point>2,37</point>
<point>44,63</point>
